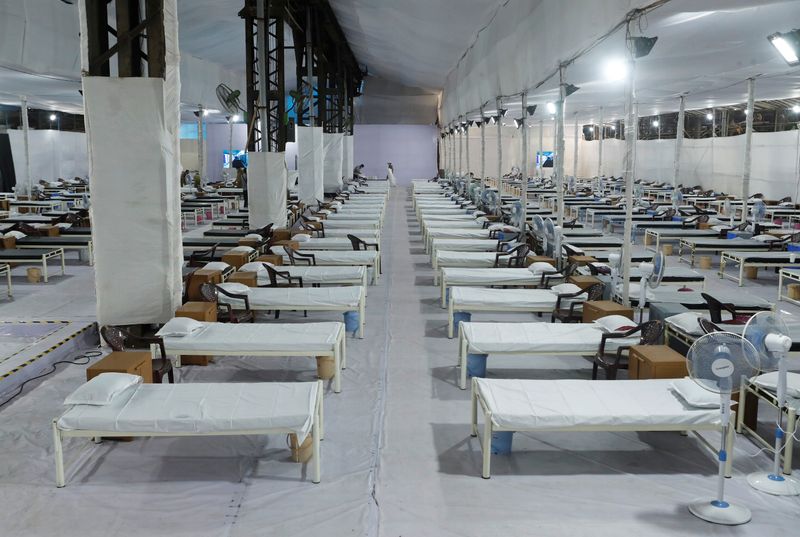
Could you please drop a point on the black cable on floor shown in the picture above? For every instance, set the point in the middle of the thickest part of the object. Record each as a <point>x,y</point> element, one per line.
<point>84,359</point>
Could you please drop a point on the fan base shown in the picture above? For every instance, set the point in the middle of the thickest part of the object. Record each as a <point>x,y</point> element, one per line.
<point>716,513</point>
<point>777,485</point>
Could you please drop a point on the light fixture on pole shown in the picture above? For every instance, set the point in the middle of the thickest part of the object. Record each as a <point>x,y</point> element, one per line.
<point>788,45</point>
<point>709,116</point>
<point>551,108</point>
<point>517,123</point>
<point>53,117</point>
<point>656,123</point>
<point>796,109</point>
<point>615,70</point>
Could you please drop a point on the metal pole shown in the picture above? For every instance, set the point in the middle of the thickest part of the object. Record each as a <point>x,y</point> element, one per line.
<point>539,172</point>
<point>559,161</point>
<point>630,170</point>
<point>483,149</point>
<point>230,144</point>
<point>263,76</point>
<point>600,138</point>
<point>200,144</point>
<point>524,167</point>
<point>679,141</point>
<point>25,144</point>
<point>575,151</point>
<point>748,144</point>
<point>460,149</point>
<point>499,148</point>
<point>309,68</point>
<point>466,145</point>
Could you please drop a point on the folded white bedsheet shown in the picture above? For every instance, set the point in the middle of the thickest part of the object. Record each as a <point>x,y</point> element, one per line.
<point>489,276</point>
<point>449,258</point>
<point>201,408</point>
<point>322,274</point>
<point>235,339</point>
<point>558,404</point>
<point>354,216</point>
<point>534,299</point>
<point>578,338</point>
<point>300,297</point>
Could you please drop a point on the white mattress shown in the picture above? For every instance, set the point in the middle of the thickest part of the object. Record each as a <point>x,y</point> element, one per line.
<point>329,243</point>
<point>561,404</point>
<point>448,217</point>
<point>465,245</point>
<point>351,223</point>
<point>456,233</point>
<point>289,297</point>
<point>374,215</point>
<point>534,299</point>
<point>231,339</point>
<point>366,233</point>
<point>336,257</point>
<point>201,408</point>
<point>323,274</point>
<point>465,259</point>
<point>578,338</point>
<point>489,276</point>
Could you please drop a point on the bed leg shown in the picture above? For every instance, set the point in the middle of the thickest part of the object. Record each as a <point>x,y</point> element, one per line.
<point>337,373</point>
<point>741,274</point>
<point>789,439</point>
<point>320,410</point>
<point>44,268</point>
<point>59,455</point>
<point>343,351</point>
<point>486,446</point>
<point>362,317</point>
<point>315,447</point>
<point>474,424</point>
<point>63,264</point>
<point>462,360</point>
<point>444,293</point>
<point>450,320</point>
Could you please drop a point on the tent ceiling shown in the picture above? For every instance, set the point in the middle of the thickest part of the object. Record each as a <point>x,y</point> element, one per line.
<point>706,51</point>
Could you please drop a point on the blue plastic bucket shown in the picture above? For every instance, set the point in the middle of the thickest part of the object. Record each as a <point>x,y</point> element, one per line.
<point>501,236</point>
<point>352,321</point>
<point>732,235</point>
<point>460,316</point>
<point>476,365</point>
<point>501,442</point>
<point>677,219</point>
<point>791,247</point>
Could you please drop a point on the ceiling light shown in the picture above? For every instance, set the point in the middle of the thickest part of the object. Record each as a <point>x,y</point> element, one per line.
<point>551,108</point>
<point>52,117</point>
<point>746,112</point>
<point>493,120</point>
<point>788,44</point>
<point>531,110</point>
<point>613,128</point>
<point>656,123</point>
<point>709,116</point>
<point>615,70</point>
<point>503,111</point>
<point>205,112</point>
<point>235,118</point>
<point>796,109</point>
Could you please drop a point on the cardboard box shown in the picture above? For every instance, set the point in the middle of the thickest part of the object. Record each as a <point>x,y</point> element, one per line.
<point>294,245</point>
<point>50,231</point>
<point>250,279</point>
<point>235,259</point>
<point>9,243</point>
<point>271,258</point>
<point>198,278</point>
<point>704,225</point>
<point>281,234</point>
<point>199,311</point>
<point>252,243</point>
<point>581,260</point>
<point>595,309</point>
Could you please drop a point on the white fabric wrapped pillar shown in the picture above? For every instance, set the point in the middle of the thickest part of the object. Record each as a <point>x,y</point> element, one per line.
<point>499,148</point>
<point>748,144</point>
<point>679,141</point>
<point>27,184</point>
<point>201,146</point>
<point>483,150</point>
<point>135,200</point>
<point>348,162</point>
<point>524,166</point>
<point>466,148</point>
<point>600,146</point>
<point>267,180</point>
<point>460,151</point>
<point>310,164</point>
<point>575,149</point>
<point>332,151</point>
<point>559,143</point>
<point>631,133</point>
<point>539,171</point>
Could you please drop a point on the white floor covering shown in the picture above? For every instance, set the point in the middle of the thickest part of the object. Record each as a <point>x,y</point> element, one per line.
<point>397,458</point>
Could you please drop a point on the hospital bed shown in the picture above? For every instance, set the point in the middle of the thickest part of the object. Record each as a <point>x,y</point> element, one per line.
<point>77,242</point>
<point>583,406</point>
<point>365,258</point>
<point>350,224</point>
<point>549,339</point>
<point>693,300</point>
<point>711,245</point>
<point>453,232</point>
<point>29,219</point>
<point>198,409</point>
<point>343,299</point>
<point>274,339</point>
<point>602,256</point>
<point>653,237</point>
<point>18,256</point>
<point>318,275</point>
<point>448,258</point>
<point>485,277</point>
<point>595,243</point>
<point>465,245</point>
<point>5,270</point>
<point>777,260</point>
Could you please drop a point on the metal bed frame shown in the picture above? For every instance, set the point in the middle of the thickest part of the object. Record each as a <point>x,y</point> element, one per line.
<point>51,253</point>
<point>740,258</point>
<point>749,389</point>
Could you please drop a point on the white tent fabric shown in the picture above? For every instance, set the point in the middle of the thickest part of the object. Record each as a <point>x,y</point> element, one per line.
<point>266,188</point>
<point>54,154</point>
<point>310,163</point>
<point>332,146</point>
<point>348,162</point>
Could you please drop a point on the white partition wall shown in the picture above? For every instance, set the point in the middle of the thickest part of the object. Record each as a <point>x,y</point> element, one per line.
<point>332,144</point>
<point>310,163</point>
<point>136,230</point>
<point>347,156</point>
<point>266,189</point>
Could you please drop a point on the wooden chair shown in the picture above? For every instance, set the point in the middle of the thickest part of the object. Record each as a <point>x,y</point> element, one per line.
<point>715,309</point>
<point>120,339</point>
<point>512,258</point>
<point>612,362</point>
<point>225,312</point>
<point>360,244</point>
<point>574,313</point>
<point>199,258</point>
<point>296,258</point>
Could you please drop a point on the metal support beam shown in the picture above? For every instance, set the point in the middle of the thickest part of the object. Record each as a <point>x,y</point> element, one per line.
<point>748,144</point>
<point>679,141</point>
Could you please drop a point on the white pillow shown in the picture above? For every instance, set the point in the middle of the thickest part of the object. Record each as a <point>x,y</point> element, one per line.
<point>242,249</point>
<point>64,225</point>
<point>235,288</point>
<point>179,327</point>
<point>102,389</point>
<point>217,265</point>
<point>540,266</point>
<point>687,322</point>
<point>253,236</point>
<point>301,237</point>
<point>256,266</point>
<point>325,211</point>
<point>565,288</point>
<point>16,234</point>
<point>614,323</point>
<point>694,394</point>
<point>765,238</point>
<point>479,213</point>
<point>769,381</point>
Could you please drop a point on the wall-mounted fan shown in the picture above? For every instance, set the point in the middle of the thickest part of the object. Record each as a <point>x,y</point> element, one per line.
<point>768,334</point>
<point>719,362</point>
<point>553,235</point>
<point>517,215</point>
<point>652,274</point>
<point>491,201</point>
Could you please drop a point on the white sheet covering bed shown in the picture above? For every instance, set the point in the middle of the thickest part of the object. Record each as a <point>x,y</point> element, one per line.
<point>465,245</point>
<point>489,276</point>
<point>464,298</point>
<point>235,339</point>
<point>334,243</point>
<point>299,297</point>
<point>352,274</point>
<point>536,338</point>
<point>201,408</point>
<point>336,257</point>
<point>563,404</point>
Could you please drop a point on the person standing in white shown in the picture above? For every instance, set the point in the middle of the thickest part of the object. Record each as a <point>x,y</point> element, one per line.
<point>390,174</point>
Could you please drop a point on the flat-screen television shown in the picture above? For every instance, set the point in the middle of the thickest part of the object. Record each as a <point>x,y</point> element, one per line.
<point>226,157</point>
<point>544,159</point>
